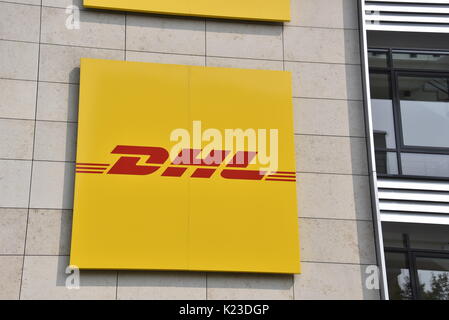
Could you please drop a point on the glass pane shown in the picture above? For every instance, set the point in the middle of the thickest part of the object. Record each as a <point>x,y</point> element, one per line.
<point>428,165</point>
<point>428,236</point>
<point>383,123</point>
<point>421,236</point>
<point>380,86</point>
<point>439,62</point>
<point>382,110</point>
<point>433,275</point>
<point>377,59</point>
<point>425,111</point>
<point>398,276</point>
<point>386,162</point>
<point>393,235</point>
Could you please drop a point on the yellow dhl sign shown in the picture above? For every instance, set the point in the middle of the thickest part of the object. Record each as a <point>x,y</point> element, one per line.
<point>264,10</point>
<point>162,184</point>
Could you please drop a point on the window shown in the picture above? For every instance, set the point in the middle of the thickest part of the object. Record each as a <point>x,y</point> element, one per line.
<point>410,109</point>
<point>424,105</point>
<point>417,261</point>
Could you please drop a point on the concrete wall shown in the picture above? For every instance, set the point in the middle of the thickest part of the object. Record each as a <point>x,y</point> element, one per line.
<point>39,74</point>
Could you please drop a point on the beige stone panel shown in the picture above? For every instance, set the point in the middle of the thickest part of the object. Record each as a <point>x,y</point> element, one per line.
<point>55,141</point>
<point>49,232</point>
<point>16,140</point>
<point>57,102</point>
<point>244,40</point>
<point>325,13</point>
<point>321,45</point>
<point>12,230</point>
<point>62,3</point>
<point>166,58</point>
<point>18,99</point>
<point>329,117</point>
<point>45,278</point>
<point>222,286</point>
<point>337,241</point>
<point>96,29</point>
<point>244,63</point>
<point>327,81</point>
<point>52,185</point>
<point>33,2</point>
<point>62,63</point>
<point>329,281</point>
<point>334,196</point>
<point>19,60</point>
<point>153,285</point>
<point>10,274</point>
<point>326,154</point>
<point>15,183</point>
<point>183,35</point>
<point>19,22</point>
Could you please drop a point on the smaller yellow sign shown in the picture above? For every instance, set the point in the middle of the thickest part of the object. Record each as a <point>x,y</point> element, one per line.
<point>263,10</point>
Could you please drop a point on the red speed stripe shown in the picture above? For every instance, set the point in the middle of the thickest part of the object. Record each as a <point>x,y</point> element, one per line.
<point>93,164</point>
<point>282,176</point>
<point>89,171</point>
<point>91,168</point>
<point>284,172</point>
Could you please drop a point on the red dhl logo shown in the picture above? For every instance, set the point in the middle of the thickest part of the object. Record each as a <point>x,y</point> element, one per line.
<point>205,167</point>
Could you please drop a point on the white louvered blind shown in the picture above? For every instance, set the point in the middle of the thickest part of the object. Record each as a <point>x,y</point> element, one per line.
<point>407,15</point>
<point>413,196</point>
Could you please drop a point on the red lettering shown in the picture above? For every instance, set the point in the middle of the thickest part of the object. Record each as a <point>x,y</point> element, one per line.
<point>189,157</point>
<point>128,165</point>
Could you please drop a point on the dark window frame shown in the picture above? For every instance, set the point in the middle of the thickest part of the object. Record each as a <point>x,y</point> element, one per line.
<point>394,73</point>
<point>411,255</point>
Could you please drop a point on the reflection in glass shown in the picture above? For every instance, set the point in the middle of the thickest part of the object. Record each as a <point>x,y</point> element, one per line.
<point>382,109</point>
<point>386,162</point>
<point>422,61</point>
<point>398,276</point>
<point>393,235</point>
<point>424,111</point>
<point>379,86</point>
<point>421,236</point>
<point>422,164</point>
<point>433,276</point>
<point>429,89</point>
<point>383,121</point>
<point>427,247</point>
<point>377,59</point>
<point>410,112</point>
<point>427,236</point>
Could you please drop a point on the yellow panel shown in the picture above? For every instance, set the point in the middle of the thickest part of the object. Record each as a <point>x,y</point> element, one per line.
<point>268,10</point>
<point>148,221</point>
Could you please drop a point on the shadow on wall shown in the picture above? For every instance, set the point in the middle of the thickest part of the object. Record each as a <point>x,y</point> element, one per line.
<point>69,181</point>
<point>365,229</point>
<point>88,278</point>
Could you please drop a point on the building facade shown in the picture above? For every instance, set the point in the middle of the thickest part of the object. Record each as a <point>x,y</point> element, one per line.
<point>346,191</point>
<point>405,66</point>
